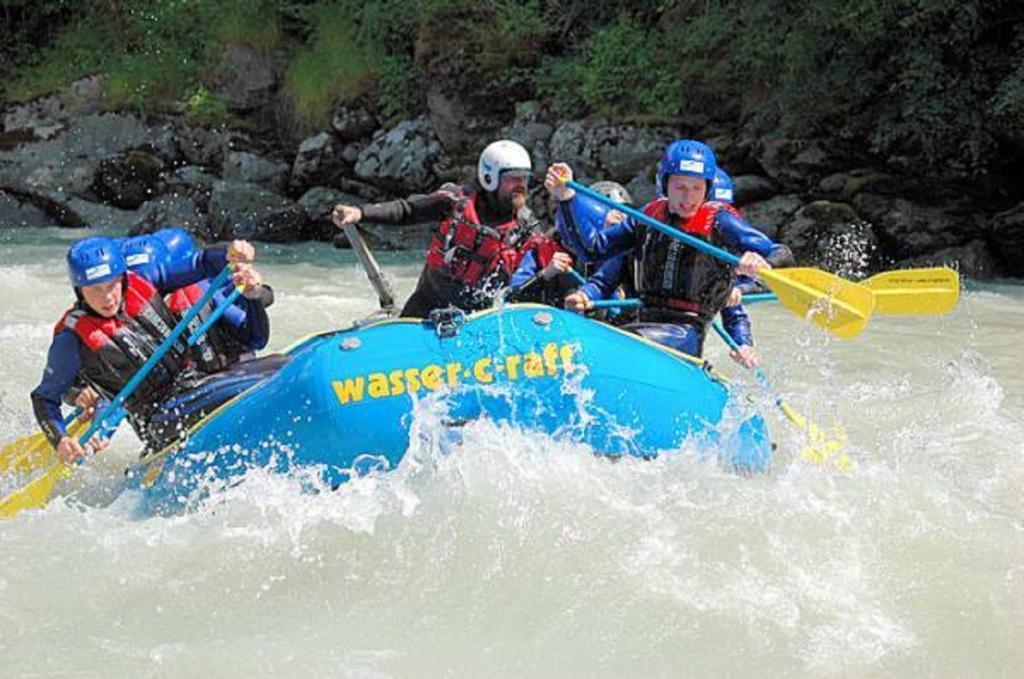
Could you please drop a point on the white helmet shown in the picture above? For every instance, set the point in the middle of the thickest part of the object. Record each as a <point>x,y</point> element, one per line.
<point>498,158</point>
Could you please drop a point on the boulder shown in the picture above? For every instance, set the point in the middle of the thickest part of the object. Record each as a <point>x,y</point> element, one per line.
<point>16,212</point>
<point>750,188</point>
<point>170,210</point>
<point>318,203</point>
<point>250,77</point>
<point>68,161</point>
<point>769,215</point>
<point>568,145</point>
<point>240,210</point>
<point>249,168</point>
<point>619,152</point>
<point>1006,230</point>
<point>908,229</point>
<point>317,161</point>
<point>973,260</point>
<point>454,121</point>
<point>406,158</point>
<point>352,123</point>
<point>190,181</point>
<point>204,147</point>
<point>129,179</point>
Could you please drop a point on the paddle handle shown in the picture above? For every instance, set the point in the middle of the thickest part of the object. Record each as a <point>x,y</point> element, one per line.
<point>385,295</point>
<point>577,276</point>
<point>656,225</point>
<point>617,304</point>
<point>214,317</point>
<point>157,356</point>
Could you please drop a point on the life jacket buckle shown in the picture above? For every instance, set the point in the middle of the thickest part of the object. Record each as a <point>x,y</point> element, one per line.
<point>447,321</point>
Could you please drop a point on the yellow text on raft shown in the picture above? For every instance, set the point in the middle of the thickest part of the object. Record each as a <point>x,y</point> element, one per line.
<point>549,362</point>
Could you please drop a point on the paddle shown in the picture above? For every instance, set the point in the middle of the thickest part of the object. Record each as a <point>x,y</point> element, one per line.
<point>39,491</point>
<point>821,448</point>
<point>214,317</point>
<point>903,292</point>
<point>385,294</point>
<point>840,306</point>
<point>34,451</point>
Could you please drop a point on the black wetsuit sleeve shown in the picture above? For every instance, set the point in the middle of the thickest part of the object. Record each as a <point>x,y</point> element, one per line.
<point>412,210</point>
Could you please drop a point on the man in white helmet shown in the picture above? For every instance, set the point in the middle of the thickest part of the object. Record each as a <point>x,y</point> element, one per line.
<point>481,228</point>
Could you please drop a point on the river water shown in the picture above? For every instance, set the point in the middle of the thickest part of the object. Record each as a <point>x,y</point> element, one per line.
<point>517,555</point>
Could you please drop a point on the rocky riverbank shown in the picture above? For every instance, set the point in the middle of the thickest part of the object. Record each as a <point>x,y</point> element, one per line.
<point>65,160</point>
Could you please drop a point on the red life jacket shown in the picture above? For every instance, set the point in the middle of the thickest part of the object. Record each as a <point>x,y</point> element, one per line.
<point>113,349</point>
<point>676,279</point>
<point>468,251</point>
<point>213,352</point>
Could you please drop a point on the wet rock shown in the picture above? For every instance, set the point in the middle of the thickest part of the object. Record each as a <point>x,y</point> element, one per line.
<point>769,215</point>
<point>619,152</point>
<point>352,123</point>
<point>251,80</point>
<point>408,157</point>
<point>796,162</point>
<point>1006,230</point>
<point>319,202</point>
<point>190,181</point>
<point>239,210</point>
<point>17,212</point>
<point>127,180</point>
<point>456,125</point>
<point>170,210</point>
<point>249,168</point>
<point>750,188</point>
<point>68,162</point>
<point>909,229</point>
<point>973,260</point>
<point>40,119</point>
<point>317,161</point>
<point>530,111</point>
<point>204,147</point>
<point>641,189</point>
<point>528,134</point>
<point>846,185</point>
<point>568,145</point>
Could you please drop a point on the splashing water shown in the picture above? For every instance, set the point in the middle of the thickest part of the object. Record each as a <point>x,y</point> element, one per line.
<point>494,551</point>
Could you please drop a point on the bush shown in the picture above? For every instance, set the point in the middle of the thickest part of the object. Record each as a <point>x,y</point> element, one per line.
<point>331,67</point>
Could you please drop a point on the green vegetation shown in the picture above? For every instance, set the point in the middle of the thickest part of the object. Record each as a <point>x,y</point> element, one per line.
<point>936,83</point>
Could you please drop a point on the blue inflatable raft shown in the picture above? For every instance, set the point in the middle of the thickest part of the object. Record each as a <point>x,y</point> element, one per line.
<point>344,401</point>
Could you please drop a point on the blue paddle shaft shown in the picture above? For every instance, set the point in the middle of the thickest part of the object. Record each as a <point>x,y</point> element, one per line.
<point>692,241</point>
<point>157,356</point>
<point>755,297</point>
<point>617,304</point>
<point>214,317</point>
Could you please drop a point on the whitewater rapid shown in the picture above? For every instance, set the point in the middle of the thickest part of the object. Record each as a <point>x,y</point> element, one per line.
<point>506,553</point>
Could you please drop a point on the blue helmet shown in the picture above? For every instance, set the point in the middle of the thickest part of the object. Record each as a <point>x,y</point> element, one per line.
<point>721,187</point>
<point>178,242</point>
<point>95,260</point>
<point>686,157</point>
<point>144,255</point>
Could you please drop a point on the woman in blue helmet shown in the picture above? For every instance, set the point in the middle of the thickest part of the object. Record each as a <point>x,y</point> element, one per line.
<point>116,324</point>
<point>242,330</point>
<point>681,287</point>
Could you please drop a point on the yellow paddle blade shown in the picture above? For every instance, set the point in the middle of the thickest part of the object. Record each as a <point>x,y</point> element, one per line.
<point>34,452</point>
<point>916,291</point>
<point>840,306</point>
<point>821,448</point>
<point>36,493</point>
